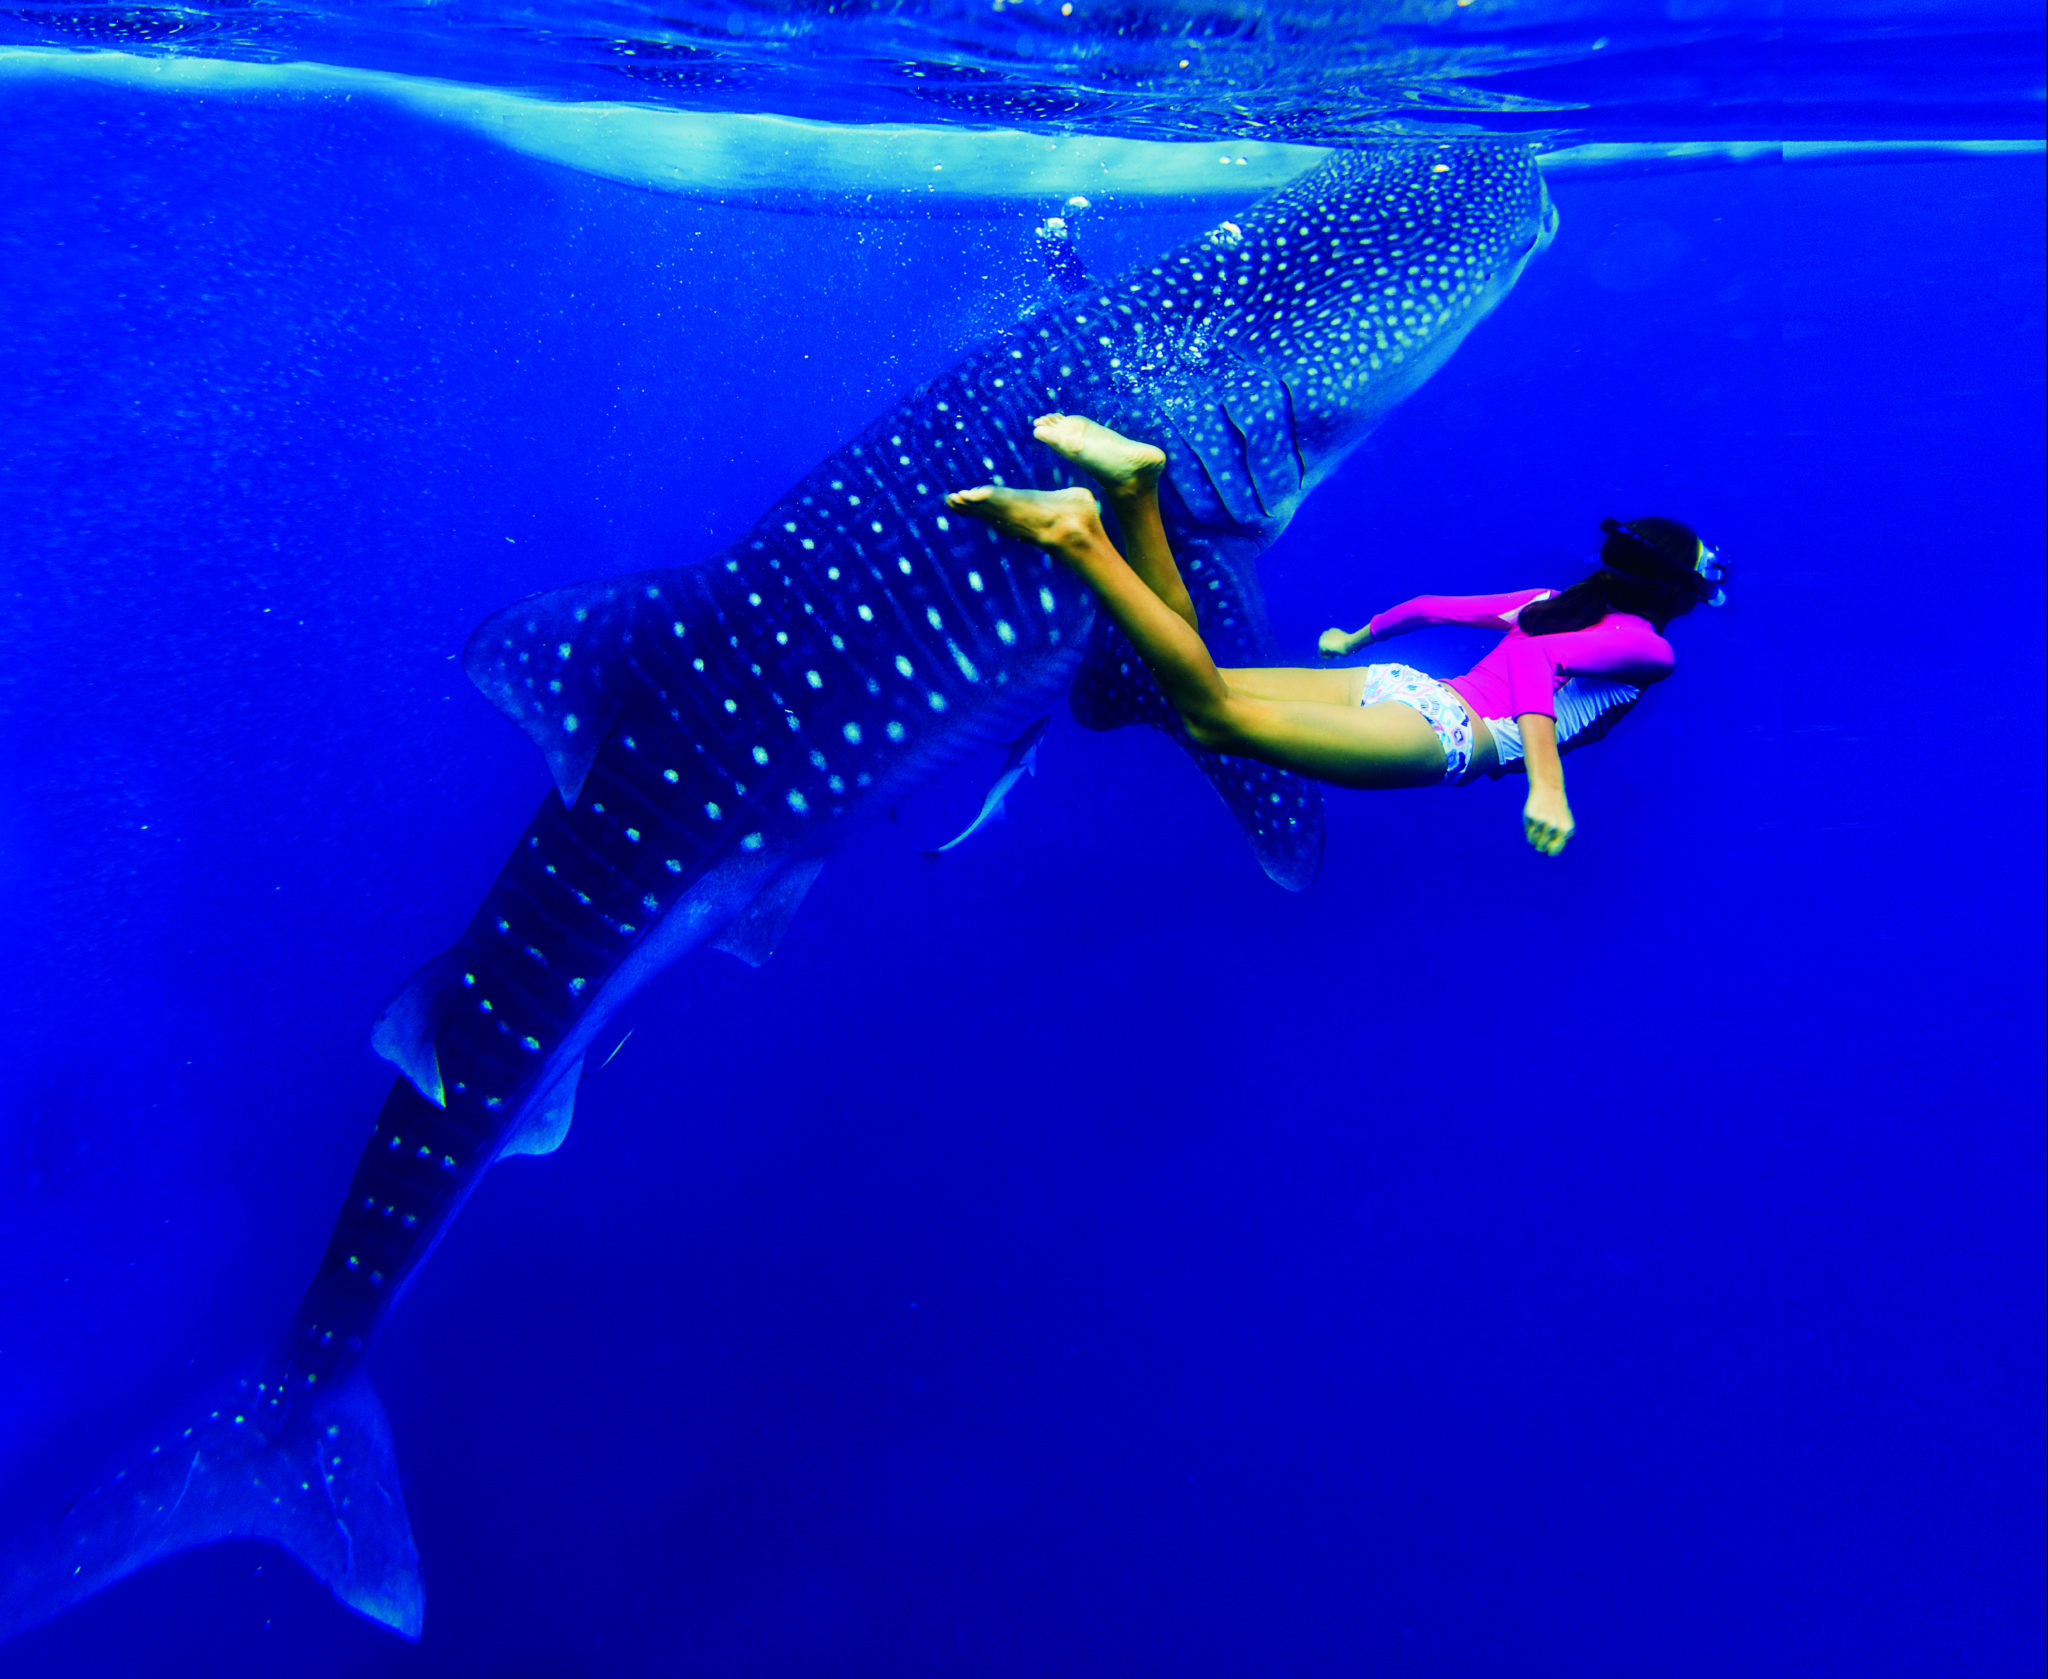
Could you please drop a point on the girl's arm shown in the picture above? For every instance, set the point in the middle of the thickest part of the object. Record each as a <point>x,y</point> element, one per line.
<point>1479,612</point>
<point>1546,817</point>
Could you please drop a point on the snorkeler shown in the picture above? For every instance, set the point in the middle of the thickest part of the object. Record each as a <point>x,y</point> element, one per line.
<point>1567,669</point>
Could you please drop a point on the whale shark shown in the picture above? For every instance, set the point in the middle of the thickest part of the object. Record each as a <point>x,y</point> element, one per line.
<point>714,731</point>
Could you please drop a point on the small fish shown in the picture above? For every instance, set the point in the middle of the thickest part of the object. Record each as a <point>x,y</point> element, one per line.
<point>609,1059</point>
<point>1021,760</point>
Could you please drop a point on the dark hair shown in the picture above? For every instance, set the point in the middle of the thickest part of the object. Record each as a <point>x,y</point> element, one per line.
<point>1638,545</point>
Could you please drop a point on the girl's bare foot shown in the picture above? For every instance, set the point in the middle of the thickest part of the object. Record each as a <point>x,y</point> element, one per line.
<point>1058,520</point>
<point>1114,461</point>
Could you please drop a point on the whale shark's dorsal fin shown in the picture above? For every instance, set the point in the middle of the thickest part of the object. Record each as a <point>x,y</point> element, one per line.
<point>753,934</point>
<point>551,664</point>
<point>405,1031</point>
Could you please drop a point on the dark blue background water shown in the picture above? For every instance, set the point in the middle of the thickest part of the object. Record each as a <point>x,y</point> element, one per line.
<point>1079,1257</point>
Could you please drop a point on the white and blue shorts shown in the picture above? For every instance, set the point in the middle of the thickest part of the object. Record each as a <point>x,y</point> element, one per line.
<point>1440,708</point>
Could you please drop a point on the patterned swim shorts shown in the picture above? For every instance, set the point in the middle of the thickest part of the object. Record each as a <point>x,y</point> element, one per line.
<point>1441,709</point>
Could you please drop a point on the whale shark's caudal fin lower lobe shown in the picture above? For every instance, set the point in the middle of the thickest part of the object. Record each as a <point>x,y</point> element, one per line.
<point>324,1486</point>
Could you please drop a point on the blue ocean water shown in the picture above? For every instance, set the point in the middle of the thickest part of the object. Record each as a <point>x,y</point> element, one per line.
<point>1077,1256</point>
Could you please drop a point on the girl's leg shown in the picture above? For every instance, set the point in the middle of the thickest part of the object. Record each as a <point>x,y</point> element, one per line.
<point>1326,687</point>
<point>1353,746</point>
<point>1129,475</point>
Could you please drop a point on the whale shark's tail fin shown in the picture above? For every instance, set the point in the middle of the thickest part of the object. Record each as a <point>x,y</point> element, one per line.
<point>324,1486</point>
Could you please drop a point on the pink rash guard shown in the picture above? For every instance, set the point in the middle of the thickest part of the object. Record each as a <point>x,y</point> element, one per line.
<point>1581,678</point>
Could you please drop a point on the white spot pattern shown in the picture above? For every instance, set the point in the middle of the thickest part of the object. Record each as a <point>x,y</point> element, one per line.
<point>1328,293</point>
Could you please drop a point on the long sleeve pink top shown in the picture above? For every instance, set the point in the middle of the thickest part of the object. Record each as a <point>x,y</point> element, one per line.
<point>1523,673</point>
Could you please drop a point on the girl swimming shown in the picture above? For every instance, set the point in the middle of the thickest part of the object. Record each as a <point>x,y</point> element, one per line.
<point>1568,667</point>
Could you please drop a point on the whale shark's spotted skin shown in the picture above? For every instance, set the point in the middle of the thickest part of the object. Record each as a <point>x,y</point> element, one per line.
<point>713,730</point>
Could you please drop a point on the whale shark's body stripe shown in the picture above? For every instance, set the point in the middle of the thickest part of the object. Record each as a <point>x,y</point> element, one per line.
<point>714,730</point>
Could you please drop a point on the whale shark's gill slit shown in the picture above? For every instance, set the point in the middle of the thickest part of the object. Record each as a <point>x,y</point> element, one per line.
<point>1265,472</point>
<point>1241,434</point>
<point>1207,440</point>
<point>1301,467</point>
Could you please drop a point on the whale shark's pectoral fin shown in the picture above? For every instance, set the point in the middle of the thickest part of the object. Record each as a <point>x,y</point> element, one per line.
<point>556,664</point>
<point>1281,813</point>
<point>546,1123</point>
<point>753,934</point>
<point>404,1033</point>
<point>324,1486</point>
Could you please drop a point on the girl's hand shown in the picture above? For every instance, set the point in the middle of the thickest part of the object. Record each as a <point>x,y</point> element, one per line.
<point>1547,820</point>
<point>1334,644</point>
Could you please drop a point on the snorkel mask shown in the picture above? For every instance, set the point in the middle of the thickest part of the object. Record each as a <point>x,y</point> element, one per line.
<point>1637,556</point>
<point>1712,574</point>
